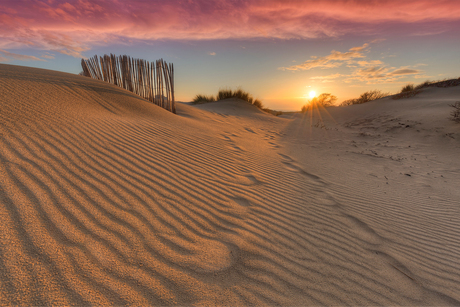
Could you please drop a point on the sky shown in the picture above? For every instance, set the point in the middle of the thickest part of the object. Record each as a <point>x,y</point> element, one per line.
<point>277,50</point>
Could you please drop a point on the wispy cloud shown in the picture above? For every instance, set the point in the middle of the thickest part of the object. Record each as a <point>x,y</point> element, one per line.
<point>47,56</point>
<point>405,71</point>
<point>212,53</point>
<point>381,74</point>
<point>9,56</point>
<point>335,59</point>
<point>73,26</point>
<point>362,70</point>
<point>326,79</point>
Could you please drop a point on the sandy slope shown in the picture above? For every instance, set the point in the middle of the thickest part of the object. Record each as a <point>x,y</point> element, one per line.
<point>108,199</point>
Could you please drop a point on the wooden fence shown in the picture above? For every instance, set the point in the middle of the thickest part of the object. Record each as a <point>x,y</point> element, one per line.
<point>152,81</point>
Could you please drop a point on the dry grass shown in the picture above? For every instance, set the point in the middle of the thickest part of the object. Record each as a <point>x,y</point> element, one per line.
<point>426,84</point>
<point>323,100</point>
<point>407,88</point>
<point>203,99</point>
<point>406,94</point>
<point>228,93</point>
<point>365,97</point>
<point>455,114</point>
<point>410,90</point>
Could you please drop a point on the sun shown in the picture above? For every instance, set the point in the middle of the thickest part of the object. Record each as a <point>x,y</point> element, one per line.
<point>312,94</point>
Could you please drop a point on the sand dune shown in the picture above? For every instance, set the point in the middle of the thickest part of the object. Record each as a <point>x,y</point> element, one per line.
<point>106,199</point>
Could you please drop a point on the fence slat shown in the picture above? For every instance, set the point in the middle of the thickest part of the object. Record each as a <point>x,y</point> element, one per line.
<point>152,81</point>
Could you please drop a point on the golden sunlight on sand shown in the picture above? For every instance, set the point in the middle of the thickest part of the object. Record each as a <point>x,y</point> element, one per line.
<point>107,199</point>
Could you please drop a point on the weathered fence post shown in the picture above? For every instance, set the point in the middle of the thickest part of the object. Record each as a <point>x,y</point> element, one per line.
<point>148,80</point>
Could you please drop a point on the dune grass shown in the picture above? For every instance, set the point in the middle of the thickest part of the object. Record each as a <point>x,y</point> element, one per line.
<point>203,99</point>
<point>228,93</point>
<point>408,88</point>
<point>425,84</point>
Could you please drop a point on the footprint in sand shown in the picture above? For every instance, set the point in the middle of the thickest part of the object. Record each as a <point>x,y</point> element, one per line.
<point>329,201</point>
<point>392,269</point>
<point>204,255</point>
<point>237,207</point>
<point>362,230</point>
<point>274,145</point>
<point>233,146</point>
<point>250,130</point>
<point>290,164</point>
<point>285,158</point>
<point>241,201</point>
<point>237,148</point>
<point>253,180</point>
<point>246,180</point>
<point>292,167</point>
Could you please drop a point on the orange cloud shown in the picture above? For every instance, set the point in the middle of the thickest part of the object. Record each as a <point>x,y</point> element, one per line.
<point>326,79</point>
<point>335,59</point>
<point>381,74</point>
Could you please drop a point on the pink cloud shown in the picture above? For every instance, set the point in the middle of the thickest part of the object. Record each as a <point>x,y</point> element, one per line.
<point>85,23</point>
<point>381,74</point>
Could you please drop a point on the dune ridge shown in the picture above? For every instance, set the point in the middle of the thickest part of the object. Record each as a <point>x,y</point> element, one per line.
<point>107,199</point>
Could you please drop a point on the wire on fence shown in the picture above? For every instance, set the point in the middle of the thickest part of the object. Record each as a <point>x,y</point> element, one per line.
<point>152,81</point>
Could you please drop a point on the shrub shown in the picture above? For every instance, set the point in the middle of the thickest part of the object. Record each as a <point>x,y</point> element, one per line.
<point>323,100</point>
<point>365,97</point>
<point>258,103</point>
<point>224,94</point>
<point>456,112</point>
<point>243,95</point>
<point>371,95</point>
<point>228,93</point>
<point>410,91</point>
<point>407,88</point>
<point>406,94</point>
<point>425,84</point>
<point>349,102</point>
<point>202,99</point>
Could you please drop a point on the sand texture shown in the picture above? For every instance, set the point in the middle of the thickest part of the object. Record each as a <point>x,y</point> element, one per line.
<point>107,199</point>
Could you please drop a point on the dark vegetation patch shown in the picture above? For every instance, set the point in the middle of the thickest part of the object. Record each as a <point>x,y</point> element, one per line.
<point>455,114</point>
<point>239,93</point>
<point>365,97</point>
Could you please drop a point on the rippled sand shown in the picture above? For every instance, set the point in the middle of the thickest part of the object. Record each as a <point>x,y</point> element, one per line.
<point>106,199</point>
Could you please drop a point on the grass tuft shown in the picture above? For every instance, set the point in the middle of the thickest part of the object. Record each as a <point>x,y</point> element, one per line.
<point>224,94</point>
<point>202,99</point>
<point>425,84</point>
<point>407,88</point>
<point>228,93</point>
<point>455,114</point>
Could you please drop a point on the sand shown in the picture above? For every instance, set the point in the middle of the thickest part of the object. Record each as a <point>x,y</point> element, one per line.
<point>107,199</point>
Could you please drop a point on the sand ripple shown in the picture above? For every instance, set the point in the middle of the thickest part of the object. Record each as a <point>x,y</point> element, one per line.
<point>106,199</point>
